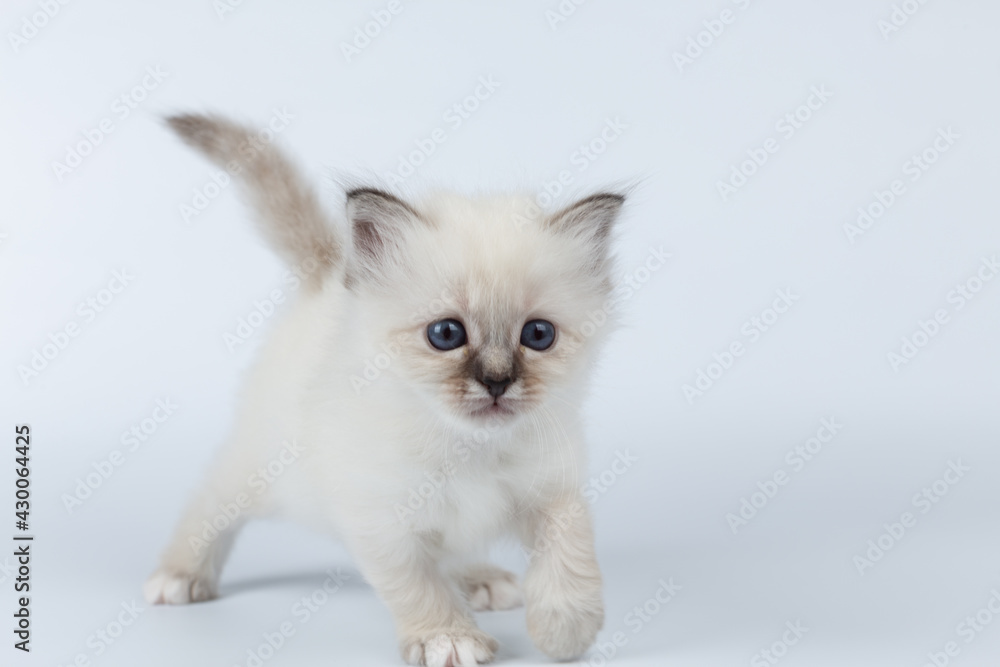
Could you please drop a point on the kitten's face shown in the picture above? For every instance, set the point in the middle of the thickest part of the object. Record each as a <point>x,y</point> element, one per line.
<point>490,310</point>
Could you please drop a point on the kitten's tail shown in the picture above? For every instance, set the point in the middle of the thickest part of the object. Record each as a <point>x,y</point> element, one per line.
<point>288,210</point>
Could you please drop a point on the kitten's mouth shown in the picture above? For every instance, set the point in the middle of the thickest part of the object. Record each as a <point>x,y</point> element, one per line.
<point>499,407</point>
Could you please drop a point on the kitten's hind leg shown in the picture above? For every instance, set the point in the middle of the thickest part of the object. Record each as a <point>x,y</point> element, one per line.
<point>191,564</point>
<point>487,586</point>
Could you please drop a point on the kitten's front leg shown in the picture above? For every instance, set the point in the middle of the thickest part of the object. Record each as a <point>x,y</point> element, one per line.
<point>434,625</point>
<point>562,588</point>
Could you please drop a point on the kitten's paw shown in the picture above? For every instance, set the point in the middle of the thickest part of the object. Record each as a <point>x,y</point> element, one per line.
<point>465,647</point>
<point>566,631</point>
<point>178,588</point>
<point>489,587</point>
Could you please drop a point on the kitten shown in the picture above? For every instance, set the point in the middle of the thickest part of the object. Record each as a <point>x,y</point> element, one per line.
<point>421,396</point>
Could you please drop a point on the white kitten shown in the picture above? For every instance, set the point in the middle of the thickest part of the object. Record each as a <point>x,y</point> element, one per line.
<point>420,400</point>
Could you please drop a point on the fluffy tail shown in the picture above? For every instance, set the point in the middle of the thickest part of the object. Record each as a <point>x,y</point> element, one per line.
<point>287,209</point>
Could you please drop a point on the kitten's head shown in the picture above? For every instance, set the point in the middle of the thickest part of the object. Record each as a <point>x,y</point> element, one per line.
<point>487,308</point>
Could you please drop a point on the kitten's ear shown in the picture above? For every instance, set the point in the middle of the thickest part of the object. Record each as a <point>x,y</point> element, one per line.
<point>591,220</point>
<point>379,222</point>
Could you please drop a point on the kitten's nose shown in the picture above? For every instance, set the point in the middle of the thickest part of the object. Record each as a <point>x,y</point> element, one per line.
<point>496,386</point>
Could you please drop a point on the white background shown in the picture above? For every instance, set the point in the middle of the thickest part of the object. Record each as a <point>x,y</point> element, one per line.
<point>666,516</point>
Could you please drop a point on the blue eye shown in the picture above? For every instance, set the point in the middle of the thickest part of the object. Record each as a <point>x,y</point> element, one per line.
<point>446,334</point>
<point>538,335</point>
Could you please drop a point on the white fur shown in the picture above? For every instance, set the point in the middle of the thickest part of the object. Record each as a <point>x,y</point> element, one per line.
<point>368,445</point>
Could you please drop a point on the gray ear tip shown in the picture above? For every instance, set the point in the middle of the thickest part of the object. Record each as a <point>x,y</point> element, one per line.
<point>619,198</point>
<point>375,204</point>
<point>366,191</point>
<point>609,199</point>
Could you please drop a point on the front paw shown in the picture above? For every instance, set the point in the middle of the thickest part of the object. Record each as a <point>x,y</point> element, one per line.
<point>565,629</point>
<point>170,587</point>
<point>450,647</point>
